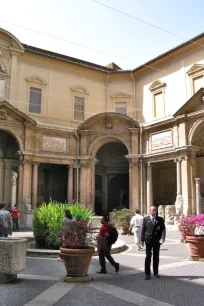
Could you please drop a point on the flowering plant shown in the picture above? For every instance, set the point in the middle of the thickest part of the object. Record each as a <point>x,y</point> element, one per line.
<point>192,225</point>
<point>77,235</point>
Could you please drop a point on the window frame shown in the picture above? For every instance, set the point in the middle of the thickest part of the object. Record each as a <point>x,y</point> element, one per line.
<point>35,87</point>
<point>120,102</point>
<point>196,71</point>
<point>156,88</point>
<point>84,99</point>
<point>5,96</point>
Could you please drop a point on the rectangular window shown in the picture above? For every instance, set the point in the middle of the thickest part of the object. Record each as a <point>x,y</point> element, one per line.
<point>121,107</point>
<point>79,108</point>
<point>35,100</point>
<point>159,105</point>
<point>2,88</point>
<point>197,83</point>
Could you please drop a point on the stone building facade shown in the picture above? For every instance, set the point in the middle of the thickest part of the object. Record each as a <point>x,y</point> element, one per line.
<point>71,130</point>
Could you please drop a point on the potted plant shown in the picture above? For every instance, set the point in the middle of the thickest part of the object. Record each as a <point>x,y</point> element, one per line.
<point>77,247</point>
<point>192,227</point>
<point>121,218</point>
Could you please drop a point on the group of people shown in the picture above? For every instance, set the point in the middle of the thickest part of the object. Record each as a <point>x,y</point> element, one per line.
<point>8,220</point>
<point>149,230</point>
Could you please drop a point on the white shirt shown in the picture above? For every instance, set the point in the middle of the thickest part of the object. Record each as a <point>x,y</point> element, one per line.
<point>137,220</point>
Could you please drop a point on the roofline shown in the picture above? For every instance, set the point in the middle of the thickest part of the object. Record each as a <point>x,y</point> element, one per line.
<point>104,69</point>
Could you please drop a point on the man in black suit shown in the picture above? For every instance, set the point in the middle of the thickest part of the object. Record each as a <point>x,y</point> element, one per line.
<point>153,234</point>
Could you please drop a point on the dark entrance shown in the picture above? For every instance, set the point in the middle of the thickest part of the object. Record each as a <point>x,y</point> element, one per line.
<point>112,178</point>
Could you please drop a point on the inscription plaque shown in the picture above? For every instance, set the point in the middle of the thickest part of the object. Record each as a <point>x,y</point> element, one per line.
<point>54,144</point>
<point>161,140</point>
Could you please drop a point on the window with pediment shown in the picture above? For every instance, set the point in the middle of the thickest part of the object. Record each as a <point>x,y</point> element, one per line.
<point>36,87</point>
<point>196,74</point>
<point>79,98</point>
<point>158,93</point>
<point>122,102</point>
<point>121,108</point>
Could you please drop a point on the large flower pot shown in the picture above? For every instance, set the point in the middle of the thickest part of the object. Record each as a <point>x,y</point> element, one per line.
<point>77,261</point>
<point>196,245</point>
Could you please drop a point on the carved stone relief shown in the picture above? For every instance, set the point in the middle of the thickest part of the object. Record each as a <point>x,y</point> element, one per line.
<point>3,68</point>
<point>170,211</point>
<point>161,140</point>
<point>54,144</point>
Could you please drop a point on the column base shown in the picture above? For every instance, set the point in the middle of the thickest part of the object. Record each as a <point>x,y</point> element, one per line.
<point>5,278</point>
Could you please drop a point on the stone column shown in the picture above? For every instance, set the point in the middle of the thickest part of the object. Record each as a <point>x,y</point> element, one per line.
<point>198,196</point>
<point>149,187</point>
<point>1,179</point>
<point>178,175</point>
<point>35,185</point>
<point>27,175</point>
<point>186,185</point>
<point>93,186</point>
<point>7,180</point>
<point>193,185</point>
<point>83,185</point>
<point>70,184</point>
<point>20,186</point>
<point>134,184</point>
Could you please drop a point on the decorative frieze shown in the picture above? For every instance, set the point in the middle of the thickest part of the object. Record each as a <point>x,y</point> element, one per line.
<point>161,140</point>
<point>54,144</point>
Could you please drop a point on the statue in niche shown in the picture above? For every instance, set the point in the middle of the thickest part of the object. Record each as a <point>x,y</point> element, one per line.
<point>169,214</point>
<point>14,177</point>
<point>28,204</point>
<point>161,211</point>
<point>179,205</point>
<point>122,194</point>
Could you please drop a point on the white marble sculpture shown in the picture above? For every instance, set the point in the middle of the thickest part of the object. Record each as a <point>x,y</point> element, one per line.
<point>161,211</point>
<point>169,214</point>
<point>179,205</point>
<point>28,204</point>
<point>13,188</point>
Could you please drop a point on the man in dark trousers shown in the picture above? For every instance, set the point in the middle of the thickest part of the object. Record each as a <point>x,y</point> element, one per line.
<point>153,234</point>
<point>104,248</point>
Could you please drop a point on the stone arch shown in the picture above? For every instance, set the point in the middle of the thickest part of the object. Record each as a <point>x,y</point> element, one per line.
<point>15,43</point>
<point>195,129</point>
<point>17,137</point>
<point>100,141</point>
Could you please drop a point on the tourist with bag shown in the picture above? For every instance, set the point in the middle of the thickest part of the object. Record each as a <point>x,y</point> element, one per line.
<point>5,222</point>
<point>107,237</point>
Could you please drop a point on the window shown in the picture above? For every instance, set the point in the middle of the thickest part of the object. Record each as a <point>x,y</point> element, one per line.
<point>198,83</point>
<point>35,100</point>
<point>158,105</point>
<point>79,108</point>
<point>121,107</point>
<point>2,88</point>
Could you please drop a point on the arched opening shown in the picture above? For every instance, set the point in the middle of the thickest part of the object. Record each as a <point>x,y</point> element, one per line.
<point>9,162</point>
<point>111,178</point>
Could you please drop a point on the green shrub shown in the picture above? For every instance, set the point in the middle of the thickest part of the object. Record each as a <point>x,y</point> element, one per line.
<point>121,218</point>
<point>48,221</point>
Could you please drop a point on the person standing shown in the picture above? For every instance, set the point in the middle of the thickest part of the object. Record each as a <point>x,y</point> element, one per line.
<point>104,247</point>
<point>136,223</point>
<point>5,222</point>
<point>14,215</point>
<point>153,234</point>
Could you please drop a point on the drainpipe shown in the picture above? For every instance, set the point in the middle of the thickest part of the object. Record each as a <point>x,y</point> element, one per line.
<point>134,93</point>
<point>141,172</point>
<point>77,161</point>
<point>106,92</point>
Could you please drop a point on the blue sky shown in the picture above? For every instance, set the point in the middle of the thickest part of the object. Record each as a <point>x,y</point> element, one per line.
<point>90,24</point>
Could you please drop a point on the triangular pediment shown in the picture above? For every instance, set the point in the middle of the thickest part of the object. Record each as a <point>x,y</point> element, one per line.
<point>120,95</point>
<point>156,85</point>
<point>195,69</point>
<point>9,111</point>
<point>79,89</point>
<point>194,104</point>
<point>37,80</point>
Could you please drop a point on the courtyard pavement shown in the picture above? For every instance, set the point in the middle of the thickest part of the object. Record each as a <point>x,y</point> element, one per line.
<point>181,282</point>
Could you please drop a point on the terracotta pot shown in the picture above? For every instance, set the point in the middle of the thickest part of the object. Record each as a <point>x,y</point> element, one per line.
<point>125,229</point>
<point>183,237</point>
<point>77,261</point>
<point>196,245</point>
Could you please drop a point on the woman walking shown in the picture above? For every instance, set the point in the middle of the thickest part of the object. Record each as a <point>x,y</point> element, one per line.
<point>136,223</point>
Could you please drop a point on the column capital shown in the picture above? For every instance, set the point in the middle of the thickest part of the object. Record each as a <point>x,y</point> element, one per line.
<point>34,163</point>
<point>197,180</point>
<point>26,162</point>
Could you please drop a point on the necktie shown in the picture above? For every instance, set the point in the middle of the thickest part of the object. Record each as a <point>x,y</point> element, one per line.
<point>153,220</point>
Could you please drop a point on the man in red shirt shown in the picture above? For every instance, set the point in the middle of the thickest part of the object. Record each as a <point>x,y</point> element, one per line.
<point>104,248</point>
<point>14,215</point>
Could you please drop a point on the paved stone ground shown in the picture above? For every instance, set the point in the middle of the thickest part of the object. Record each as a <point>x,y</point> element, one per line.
<point>181,282</point>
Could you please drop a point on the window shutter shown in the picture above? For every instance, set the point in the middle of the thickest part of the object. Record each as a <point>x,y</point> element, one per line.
<point>79,108</point>
<point>198,83</point>
<point>120,107</point>
<point>35,100</point>
<point>159,105</point>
